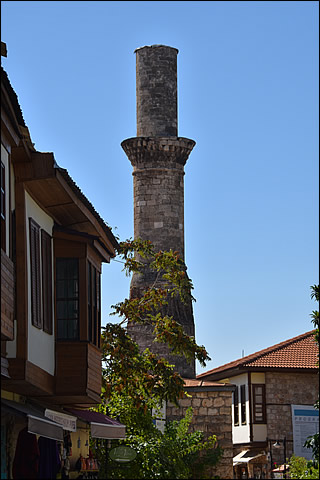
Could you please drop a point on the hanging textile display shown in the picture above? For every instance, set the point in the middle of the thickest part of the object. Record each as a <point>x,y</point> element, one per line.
<point>49,462</point>
<point>26,458</point>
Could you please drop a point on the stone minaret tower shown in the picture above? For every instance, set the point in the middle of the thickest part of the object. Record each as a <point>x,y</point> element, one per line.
<point>158,157</point>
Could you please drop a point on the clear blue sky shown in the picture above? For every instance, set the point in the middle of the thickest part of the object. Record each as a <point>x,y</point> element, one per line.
<point>248,83</point>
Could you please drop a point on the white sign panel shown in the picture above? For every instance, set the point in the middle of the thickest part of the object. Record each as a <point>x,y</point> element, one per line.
<point>305,422</point>
<point>159,417</point>
<point>67,421</point>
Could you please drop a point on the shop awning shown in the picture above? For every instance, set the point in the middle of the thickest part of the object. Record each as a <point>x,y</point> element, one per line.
<point>246,456</point>
<point>37,422</point>
<point>101,425</point>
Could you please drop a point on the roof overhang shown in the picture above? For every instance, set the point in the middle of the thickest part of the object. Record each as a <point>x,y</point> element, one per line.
<point>54,190</point>
<point>92,240</point>
<point>232,372</point>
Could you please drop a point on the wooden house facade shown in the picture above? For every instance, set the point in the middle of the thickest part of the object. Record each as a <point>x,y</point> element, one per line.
<point>53,244</point>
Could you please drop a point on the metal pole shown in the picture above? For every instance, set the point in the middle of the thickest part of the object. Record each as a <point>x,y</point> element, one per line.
<point>107,446</point>
<point>285,455</point>
<point>270,447</point>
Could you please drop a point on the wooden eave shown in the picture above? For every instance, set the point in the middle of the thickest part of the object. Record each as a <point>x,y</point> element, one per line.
<point>243,369</point>
<point>8,130</point>
<point>17,135</point>
<point>45,183</point>
<point>92,240</point>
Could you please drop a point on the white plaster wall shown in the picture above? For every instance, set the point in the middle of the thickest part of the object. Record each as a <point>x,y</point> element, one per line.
<point>40,344</point>
<point>5,161</point>
<point>241,433</point>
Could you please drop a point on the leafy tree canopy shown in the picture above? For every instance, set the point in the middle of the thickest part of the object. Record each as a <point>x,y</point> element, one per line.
<point>143,376</point>
<point>136,382</point>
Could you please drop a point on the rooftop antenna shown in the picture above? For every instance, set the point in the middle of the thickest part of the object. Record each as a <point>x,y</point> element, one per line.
<point>242,353</point>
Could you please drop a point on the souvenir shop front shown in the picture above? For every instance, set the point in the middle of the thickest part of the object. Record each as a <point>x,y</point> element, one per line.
<point>39,442</point>
<point>250,464</point>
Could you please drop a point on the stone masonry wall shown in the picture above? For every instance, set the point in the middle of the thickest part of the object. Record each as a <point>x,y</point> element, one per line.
<point>158,171</point>
<point>211,415</point>
<point>283,390</point>
<point>156,90</point>
<point>158,157</point>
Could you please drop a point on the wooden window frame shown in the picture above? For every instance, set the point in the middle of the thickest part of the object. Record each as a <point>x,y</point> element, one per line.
<point>236,406</point>
<point>261,419</point>
<point>46,264</point>
<point>34,237</point>
<point>3,207</point>
<point>67,299</point>
<point>243,398</point>
<point>94,307</point>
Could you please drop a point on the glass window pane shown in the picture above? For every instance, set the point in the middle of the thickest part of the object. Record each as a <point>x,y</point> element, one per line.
<point>61,268</point>
<point>73,268</point>
<point>72,309</point>
<point>62,311</point>
<point>62,329</point>
<point>61,289</point>
<point>67,298</point>
<point>73,329</point>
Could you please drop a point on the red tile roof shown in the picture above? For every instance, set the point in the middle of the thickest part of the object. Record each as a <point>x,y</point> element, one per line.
<point>193,382</point>
<point>300,352</point>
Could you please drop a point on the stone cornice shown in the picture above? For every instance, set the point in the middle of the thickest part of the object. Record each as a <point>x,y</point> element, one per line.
<point>168,149</point>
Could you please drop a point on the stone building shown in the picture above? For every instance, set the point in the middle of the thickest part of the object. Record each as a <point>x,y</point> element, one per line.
<point>158,157</point>
<point>272,411</point>
<point>211,403</point>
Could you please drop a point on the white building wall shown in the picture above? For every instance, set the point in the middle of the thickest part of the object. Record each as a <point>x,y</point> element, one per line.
<point>241,432</point>
<point>40,344</point>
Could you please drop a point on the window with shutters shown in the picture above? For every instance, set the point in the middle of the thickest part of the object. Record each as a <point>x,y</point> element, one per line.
<point>243,404</point>
<point>67,298</point>
<point>41,277</point>
<point>236,406</point>
<point>94,315</point>
<point>46,261</point>
<point>3,207</point>
<point>259,403</point>
<point>34,230</point>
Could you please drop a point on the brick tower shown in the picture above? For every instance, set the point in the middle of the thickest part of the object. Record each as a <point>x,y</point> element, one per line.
<point>158,157</point>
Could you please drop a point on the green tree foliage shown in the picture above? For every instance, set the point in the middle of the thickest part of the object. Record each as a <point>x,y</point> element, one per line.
<point>315,313</point>
<point>176,453</point>
<point>300,468</point>
<point>134,382</point>
<point>143,375</point>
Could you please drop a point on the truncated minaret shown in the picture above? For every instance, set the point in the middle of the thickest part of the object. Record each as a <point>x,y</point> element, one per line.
<point>158,157</point>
